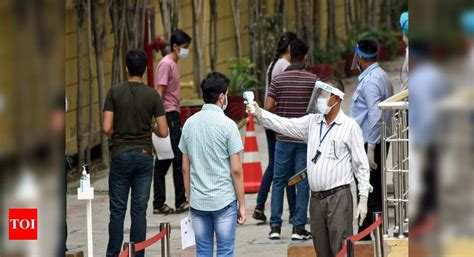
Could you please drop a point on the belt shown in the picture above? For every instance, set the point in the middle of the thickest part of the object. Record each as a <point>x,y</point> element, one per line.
<point>320,195</point>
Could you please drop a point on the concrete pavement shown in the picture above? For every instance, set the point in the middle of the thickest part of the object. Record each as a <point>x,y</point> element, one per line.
<point>251,238</point>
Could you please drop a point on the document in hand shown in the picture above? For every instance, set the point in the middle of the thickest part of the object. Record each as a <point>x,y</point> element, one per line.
<point>187,233</point>
<point>162,147</point>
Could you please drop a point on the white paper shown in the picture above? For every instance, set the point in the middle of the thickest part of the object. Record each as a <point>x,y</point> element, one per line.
<point>187,233</point>
<point>163,148</point>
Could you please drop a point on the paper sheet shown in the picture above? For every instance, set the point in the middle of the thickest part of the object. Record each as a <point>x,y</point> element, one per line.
<point>162,147</point>
<point>187,233</point>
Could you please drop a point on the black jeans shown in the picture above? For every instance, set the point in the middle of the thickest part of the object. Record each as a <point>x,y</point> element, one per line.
<point>132,169</point>
<point>162,166</point>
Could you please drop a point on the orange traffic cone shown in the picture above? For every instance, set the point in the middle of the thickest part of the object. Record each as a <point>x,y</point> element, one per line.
<point>251,164</point>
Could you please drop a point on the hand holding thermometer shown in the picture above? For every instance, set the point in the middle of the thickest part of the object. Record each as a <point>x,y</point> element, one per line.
<point>249,97</point>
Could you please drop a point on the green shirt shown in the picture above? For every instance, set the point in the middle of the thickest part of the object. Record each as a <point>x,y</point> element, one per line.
<point>209,139</point>
<point>133,104</point>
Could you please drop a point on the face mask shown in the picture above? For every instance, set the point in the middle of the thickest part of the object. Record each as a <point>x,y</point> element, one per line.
<point>323,105</point>
<point>183,53</point>
<point>224,106</point>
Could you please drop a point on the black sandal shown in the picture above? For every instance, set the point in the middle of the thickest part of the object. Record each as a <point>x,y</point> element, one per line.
<point>165,209</point>
<point>184,207</point>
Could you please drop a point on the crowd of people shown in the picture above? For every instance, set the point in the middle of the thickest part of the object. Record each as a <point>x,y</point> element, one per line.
<point>305,129</point>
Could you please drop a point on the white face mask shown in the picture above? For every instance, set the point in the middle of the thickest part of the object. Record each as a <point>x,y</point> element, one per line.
<point>224,106</point>
<point>323,107</point>
<point>183,53</point>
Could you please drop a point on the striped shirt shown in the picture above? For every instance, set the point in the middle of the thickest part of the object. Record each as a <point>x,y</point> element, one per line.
<point>342,149</point>
<point>209,138</point>
<point>292,91</point>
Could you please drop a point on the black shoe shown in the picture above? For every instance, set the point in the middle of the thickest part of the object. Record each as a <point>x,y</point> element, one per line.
<point>300,234</point>
<point>274,233</point>
<point>259,215</point>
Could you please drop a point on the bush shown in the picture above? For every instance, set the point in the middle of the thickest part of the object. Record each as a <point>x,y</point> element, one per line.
<point>241,76</point>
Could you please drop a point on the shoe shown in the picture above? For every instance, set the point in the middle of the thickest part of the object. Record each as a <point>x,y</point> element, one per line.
<point>165,209</point>
<point>300,234</point>
<point>259,215</point>
<point>184,207</point>
<point>274,233</point>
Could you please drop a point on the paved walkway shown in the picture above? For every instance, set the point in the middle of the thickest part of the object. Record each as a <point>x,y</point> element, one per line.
<point>251,237</point>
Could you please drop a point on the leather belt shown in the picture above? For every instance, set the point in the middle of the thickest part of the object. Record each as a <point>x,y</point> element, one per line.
<point>320,195</point>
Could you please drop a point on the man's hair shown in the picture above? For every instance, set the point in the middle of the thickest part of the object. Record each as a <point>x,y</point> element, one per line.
<point>299,49</point>
<point>136,62</point>
<point>335,82</point>
<point>179,37</point>
<point>368,46</point>
<point>212,86</point>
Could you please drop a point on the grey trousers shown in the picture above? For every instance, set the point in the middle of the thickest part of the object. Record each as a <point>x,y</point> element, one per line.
<point>331,221</point>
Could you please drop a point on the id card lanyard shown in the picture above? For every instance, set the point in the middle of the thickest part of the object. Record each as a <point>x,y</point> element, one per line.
<point>321,139</point>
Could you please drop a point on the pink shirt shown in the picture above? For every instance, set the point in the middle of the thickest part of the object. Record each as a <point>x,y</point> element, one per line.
<point>167,74</point>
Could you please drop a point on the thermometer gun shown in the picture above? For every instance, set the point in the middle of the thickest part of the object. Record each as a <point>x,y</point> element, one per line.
<point>249,97</point>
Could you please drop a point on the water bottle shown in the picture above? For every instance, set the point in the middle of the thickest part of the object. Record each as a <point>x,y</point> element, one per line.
<point>85,181</point>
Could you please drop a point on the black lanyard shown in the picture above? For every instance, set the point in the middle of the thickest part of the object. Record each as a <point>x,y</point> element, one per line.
<point>321,139</point>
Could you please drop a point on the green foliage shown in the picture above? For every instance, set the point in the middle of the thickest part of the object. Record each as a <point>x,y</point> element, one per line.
<point>266,31</point>
<point>383,35</point>
<point>241,76</point>
<point>328,56</point>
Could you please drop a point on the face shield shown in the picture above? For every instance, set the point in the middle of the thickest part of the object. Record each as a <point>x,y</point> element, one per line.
<point>357,52</point>
<point>320,97</point>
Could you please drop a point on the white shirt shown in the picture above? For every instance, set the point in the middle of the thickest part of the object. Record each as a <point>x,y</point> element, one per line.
<point>342,150</point>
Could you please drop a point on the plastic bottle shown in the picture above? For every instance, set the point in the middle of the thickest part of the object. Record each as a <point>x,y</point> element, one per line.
<point>85,182</point>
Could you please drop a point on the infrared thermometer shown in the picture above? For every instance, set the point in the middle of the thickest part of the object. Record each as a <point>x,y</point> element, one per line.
<point>249,97</point>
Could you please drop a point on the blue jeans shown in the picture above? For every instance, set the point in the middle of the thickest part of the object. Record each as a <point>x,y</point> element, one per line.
<point>132,169</point>
<point>223,222</point>
<point>268,177</point>
<point>289,158</point>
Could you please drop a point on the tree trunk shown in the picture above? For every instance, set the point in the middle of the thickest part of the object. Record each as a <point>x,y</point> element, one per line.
<point>299,23</point>
<point>308,26</point>
<point>117,16</point>
<point>373,12</point>
<point>166,21</point>
<point>198,42</point>
<point>135,19</point>
<point>317,24</point>
<point>175,10</point>
<point>213,49</point>
<point>347,17</point>
<point>79,11</point>
<point>235,5</point>
<point>90,48</point>
<point>331,32</point>
<point>100,33</point>
<point>357,15</point>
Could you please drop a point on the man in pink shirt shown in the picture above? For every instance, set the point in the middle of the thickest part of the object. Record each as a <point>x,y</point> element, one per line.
<point>167,85</point>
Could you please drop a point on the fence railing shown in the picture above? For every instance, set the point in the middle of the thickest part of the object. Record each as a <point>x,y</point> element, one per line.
<point>130,248</point>
<point>397,138</point>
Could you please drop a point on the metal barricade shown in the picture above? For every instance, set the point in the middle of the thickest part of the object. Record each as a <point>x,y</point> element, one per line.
<point>397,197</point>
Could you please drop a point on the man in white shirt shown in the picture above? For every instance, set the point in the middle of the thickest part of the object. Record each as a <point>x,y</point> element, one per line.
<point>335,154</point>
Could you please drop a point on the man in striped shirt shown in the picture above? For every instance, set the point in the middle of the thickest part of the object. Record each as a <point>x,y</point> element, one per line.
<point>335,154</point>
<point>290,93</point>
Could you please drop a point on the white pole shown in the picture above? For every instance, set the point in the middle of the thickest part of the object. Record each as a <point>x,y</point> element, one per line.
<point>90,249</point>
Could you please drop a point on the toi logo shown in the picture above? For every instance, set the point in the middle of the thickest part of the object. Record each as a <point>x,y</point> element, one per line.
<point>23,224</point>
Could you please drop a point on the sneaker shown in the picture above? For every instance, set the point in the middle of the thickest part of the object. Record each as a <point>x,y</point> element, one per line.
<point>300,234</point>
<point>259,215</point>
<point>274,233</point>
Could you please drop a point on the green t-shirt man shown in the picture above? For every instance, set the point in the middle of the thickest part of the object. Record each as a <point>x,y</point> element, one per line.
<point>134,104</point>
